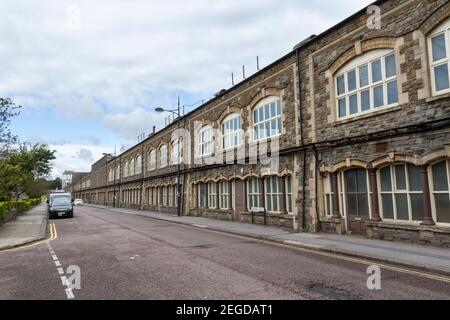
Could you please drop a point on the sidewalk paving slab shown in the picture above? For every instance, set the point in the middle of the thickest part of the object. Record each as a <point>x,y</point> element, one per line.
<point>27,228</point>
<point>432,259</point>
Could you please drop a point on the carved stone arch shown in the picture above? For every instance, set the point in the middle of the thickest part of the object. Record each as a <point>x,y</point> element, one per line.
<point>229,111</point>
<point>269,172</point>
<point>265,93</point>
<point>435,18</point>
<point>199,125</point>
<point>348,164</point>
<point>393,158</point>
<point>436,156</point>
<point>251,175</point>
<point>360,48</point>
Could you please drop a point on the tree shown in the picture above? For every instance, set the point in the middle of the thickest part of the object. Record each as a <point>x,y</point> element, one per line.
<point>8,110</point>
<point>55,184</point>
<point>21,168</point>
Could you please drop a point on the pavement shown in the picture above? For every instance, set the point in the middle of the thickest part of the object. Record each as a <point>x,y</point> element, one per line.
<point>125,256</point>
<point>427,258</point>
<point>27,228</point>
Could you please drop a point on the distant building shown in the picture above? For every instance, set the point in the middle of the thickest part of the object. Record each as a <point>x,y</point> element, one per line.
<point>67,179</point>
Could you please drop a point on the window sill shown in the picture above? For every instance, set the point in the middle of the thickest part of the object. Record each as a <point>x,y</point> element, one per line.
<point>438,97</point>
<point>368,115</point>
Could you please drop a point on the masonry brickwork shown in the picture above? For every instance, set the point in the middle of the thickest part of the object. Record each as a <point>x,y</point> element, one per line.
<point>315,144</point>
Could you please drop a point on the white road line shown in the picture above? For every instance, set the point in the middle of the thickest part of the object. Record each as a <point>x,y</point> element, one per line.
<point>54,257</point>
<point>200,226</point>
<point>64,281</point>
<point>69,294</point>
<point>60,270</point>
<point>57,263</point>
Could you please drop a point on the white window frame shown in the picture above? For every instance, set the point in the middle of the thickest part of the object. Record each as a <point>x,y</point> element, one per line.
<point>278,118</point>
<point>117,172</point>
<point>171,195</point>
<point>254,193</point>
<point>200,198</point>
<point>203,145</point>
<point>443,28</point>
<point>355,65</point>
<point>163,157</point>
<point>125,169</point>
<point>212,195</point>
<point>229,136</point>
<point>394,192</point>
<point>434,193</point>
<point>138,165</point>
<point>152,160</point>
<point>177,152</point>
<point>150,196</point>
<point>132,167</point>
<point>327,196</point>
<point>289,194</point>
<point>273,194</point>
<point>164,196</point>
<point>224,195</point>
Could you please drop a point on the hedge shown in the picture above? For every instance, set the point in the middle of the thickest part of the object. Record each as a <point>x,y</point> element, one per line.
<point>20,206</point>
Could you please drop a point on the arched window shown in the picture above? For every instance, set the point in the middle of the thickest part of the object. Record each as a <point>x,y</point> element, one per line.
<point>131,167</point>
<point>366,84</point>
<point>117,172</point>
<point>205,141</point>
<point>152,160</point>
<point>401,193</point>
<point>267,121</point>
<point>163,157</point>
<point>138,165</point>
<point>176,152</point>
<point>441,191</point>
<point>212,195</point>
<point>289,195</point>
<point>274,194</point>
<point>439,53</point>
<point>231,131</point>
<point>224,195</point>
<point>254,194</point>
<point>125,169</point>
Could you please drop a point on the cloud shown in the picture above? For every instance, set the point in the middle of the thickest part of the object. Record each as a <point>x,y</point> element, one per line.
<point>126,57</point>
<point>125,53</point>
<point>86,155</point>
<point>76,157</point>
<point>131,125</point>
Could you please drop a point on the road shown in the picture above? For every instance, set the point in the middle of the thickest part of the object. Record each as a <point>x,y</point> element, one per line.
<point>131,257</point>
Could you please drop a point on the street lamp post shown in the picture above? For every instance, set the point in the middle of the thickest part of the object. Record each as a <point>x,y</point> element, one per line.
<point>176,112</point>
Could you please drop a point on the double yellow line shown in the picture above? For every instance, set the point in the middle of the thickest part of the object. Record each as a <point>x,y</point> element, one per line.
<point>53,236</point>
<point>53,233</point>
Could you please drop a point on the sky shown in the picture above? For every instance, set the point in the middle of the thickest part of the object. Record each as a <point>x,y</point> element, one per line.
<point>89,74</point>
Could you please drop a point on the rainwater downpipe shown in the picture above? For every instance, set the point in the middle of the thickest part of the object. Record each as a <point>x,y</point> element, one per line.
<point>302,139</point>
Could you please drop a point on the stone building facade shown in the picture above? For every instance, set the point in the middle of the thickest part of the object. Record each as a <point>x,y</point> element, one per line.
<point>357,120</point>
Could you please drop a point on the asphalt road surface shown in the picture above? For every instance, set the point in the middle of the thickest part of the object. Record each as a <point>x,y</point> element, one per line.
<point>124,256</point>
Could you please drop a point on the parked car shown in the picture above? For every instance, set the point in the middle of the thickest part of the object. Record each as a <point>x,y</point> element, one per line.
<point>60,205</point>
<point>78,202</point>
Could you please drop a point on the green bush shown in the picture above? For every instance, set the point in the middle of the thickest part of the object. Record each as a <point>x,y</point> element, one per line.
<point>20,206</point>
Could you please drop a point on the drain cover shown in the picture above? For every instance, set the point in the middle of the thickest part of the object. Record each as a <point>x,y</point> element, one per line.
<point>329,292</point>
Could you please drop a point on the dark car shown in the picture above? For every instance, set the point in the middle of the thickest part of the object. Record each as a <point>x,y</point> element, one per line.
<point>61,206</point>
